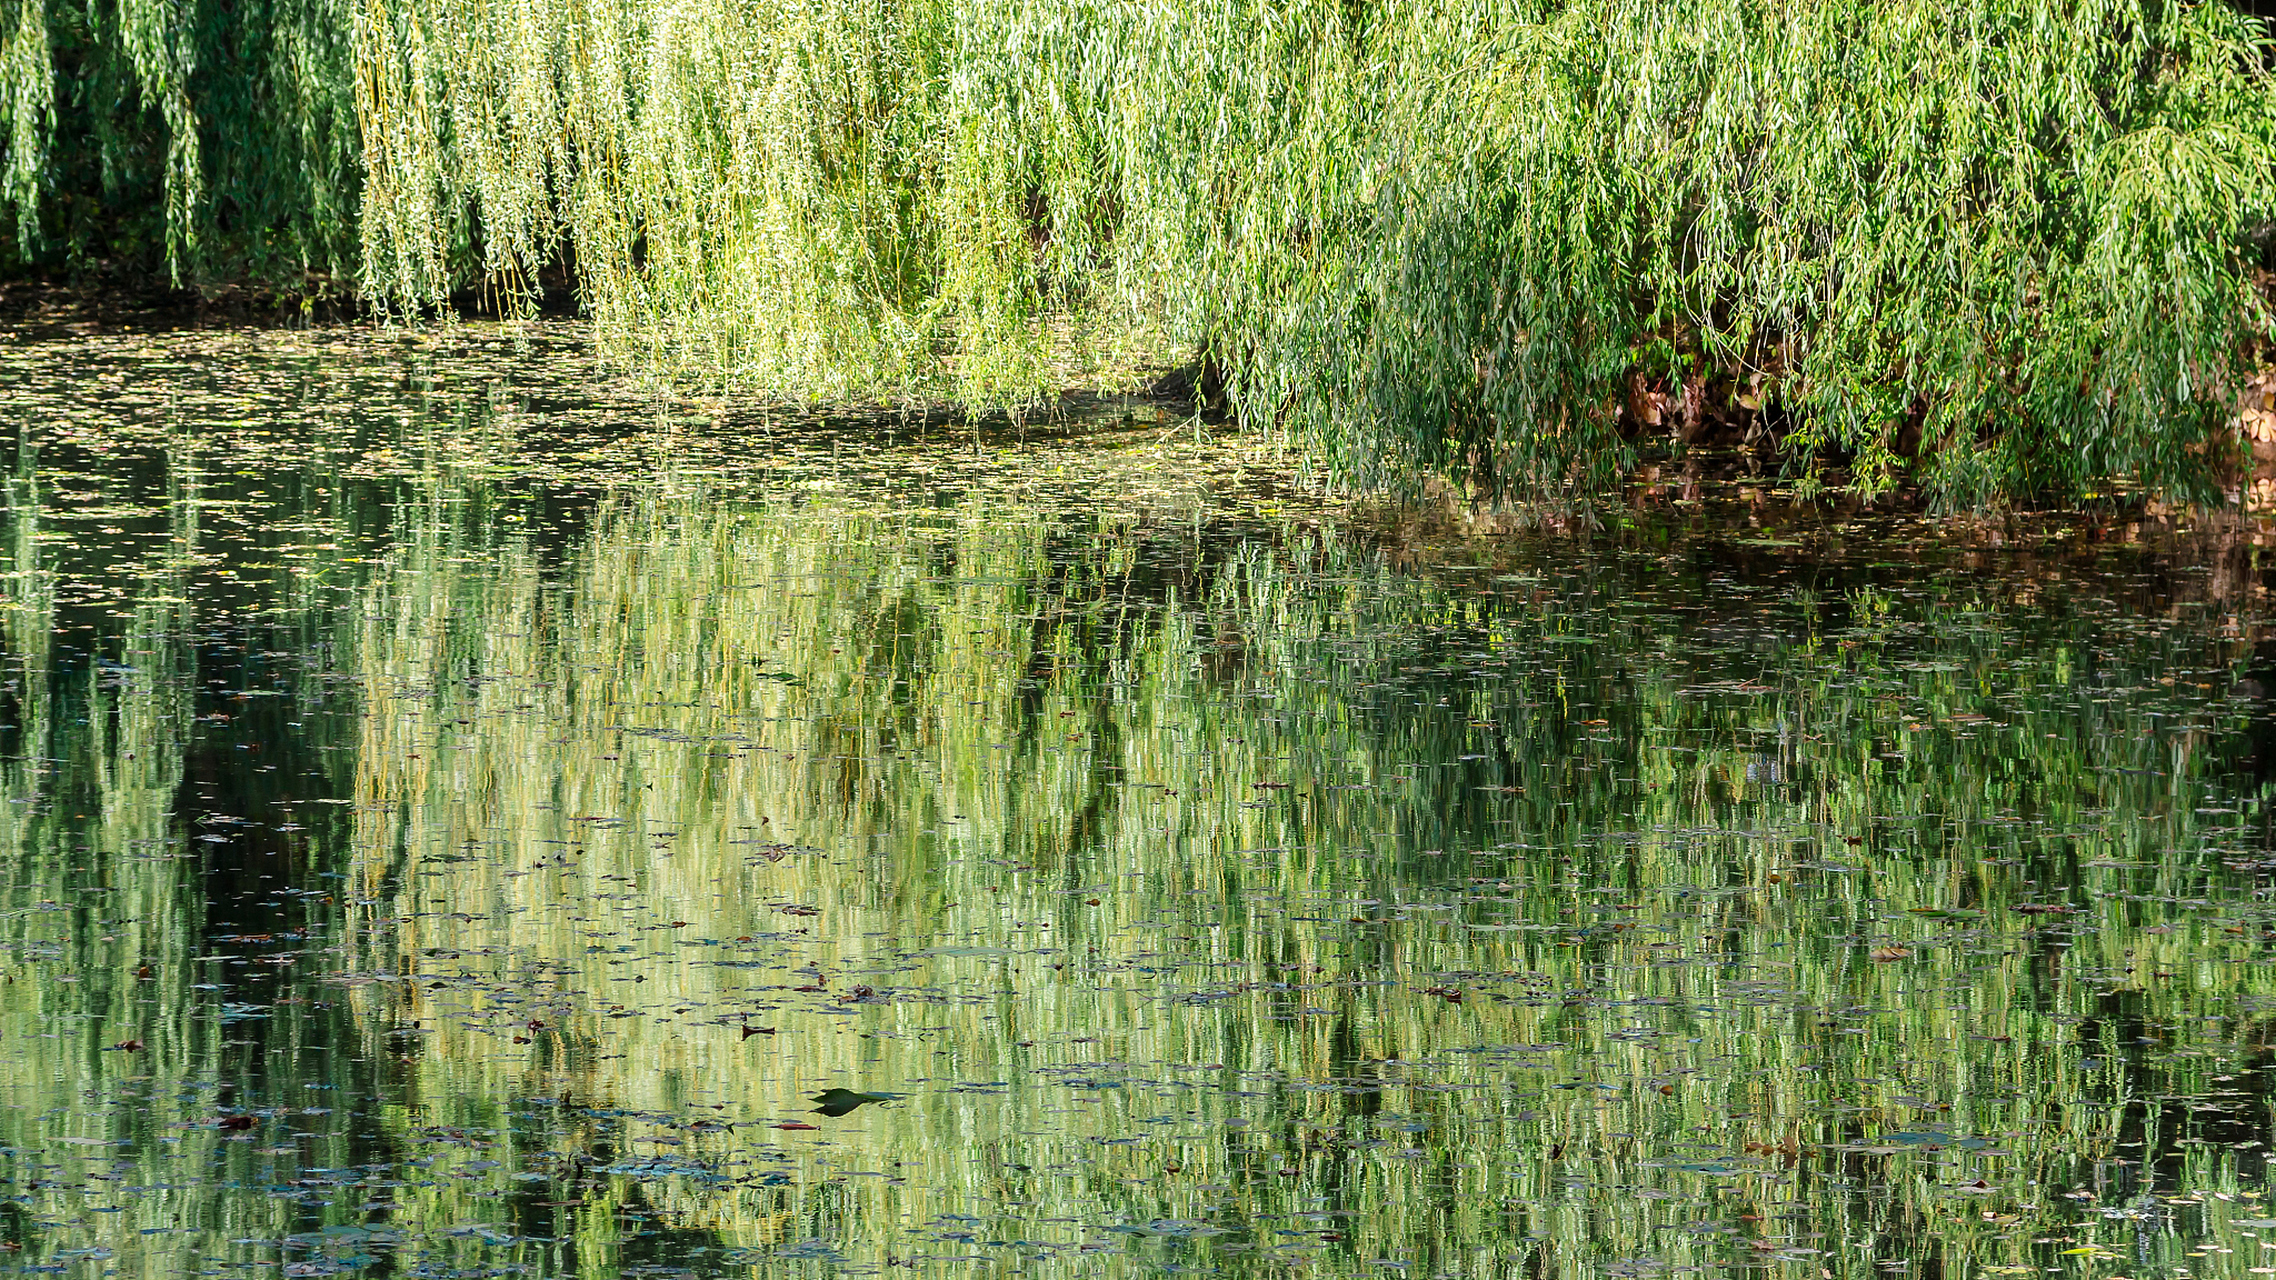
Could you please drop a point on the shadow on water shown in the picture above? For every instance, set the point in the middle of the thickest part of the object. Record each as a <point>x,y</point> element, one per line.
<point>464,811</point>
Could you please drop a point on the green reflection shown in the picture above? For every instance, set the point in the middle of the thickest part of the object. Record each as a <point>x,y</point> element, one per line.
<point>495,828</point>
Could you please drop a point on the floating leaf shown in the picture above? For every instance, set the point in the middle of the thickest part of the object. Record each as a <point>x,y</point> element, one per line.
<point>837,1102</point>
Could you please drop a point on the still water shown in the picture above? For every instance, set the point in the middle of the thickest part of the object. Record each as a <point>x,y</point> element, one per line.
<point>462,814</point>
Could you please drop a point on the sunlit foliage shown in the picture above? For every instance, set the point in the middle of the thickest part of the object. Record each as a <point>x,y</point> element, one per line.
<point>2003,249</point>
<point>1482,240</point>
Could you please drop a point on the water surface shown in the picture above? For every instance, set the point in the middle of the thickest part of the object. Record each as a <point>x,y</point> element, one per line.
<point>463,811</point>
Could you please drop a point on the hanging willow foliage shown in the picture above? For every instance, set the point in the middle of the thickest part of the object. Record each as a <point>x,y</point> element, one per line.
<point>2002,247</point>
<point>211,141</point>
<point>2006,239</point>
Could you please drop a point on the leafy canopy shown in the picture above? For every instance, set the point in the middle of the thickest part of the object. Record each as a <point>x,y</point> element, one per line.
<point>2003,247</point>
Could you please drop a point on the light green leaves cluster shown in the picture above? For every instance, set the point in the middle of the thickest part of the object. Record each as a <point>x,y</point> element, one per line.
<point>2000,247</point>
<point>2002,239</point>
<point>2005,236</point>
<point>27,107</point>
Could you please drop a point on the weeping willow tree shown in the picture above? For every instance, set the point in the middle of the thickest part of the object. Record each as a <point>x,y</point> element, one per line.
<point>1997,247</point>
<point>207,143</point>
<point>2003,246</point>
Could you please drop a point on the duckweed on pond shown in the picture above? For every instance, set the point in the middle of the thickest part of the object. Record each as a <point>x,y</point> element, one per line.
<point>469,820</point>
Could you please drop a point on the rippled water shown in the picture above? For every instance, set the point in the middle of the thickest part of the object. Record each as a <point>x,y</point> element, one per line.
<point>464,813</point>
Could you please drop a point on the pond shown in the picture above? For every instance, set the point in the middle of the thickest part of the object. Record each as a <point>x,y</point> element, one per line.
<point>468,815</point>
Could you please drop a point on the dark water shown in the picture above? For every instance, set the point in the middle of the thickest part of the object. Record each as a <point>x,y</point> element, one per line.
<point>462,813</point>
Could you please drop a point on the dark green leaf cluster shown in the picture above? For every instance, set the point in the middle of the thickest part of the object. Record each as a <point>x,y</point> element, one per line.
<point>205,143</point>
